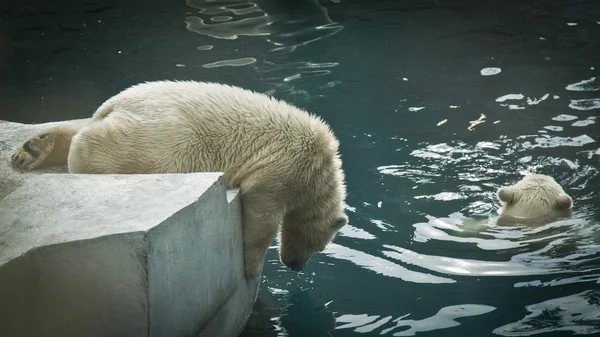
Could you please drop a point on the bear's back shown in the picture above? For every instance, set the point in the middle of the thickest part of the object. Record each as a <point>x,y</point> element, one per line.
<point>202,101</point>
<point>229,127</point>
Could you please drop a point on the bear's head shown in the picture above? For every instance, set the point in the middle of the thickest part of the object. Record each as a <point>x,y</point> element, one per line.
<point>534,196</point>
<point>301,238</point>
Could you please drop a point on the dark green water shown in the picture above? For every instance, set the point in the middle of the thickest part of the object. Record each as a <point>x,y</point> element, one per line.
<point>384,74</point>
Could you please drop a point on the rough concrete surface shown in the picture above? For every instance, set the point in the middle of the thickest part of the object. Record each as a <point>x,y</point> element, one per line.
<point>240,302</point>
<point>119,255</point>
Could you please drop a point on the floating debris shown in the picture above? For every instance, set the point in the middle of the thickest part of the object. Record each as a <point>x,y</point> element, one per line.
<point>473,124</point>
<point>442,122</point>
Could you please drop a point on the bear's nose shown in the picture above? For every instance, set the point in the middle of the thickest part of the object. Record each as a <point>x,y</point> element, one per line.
<point>295,265</point>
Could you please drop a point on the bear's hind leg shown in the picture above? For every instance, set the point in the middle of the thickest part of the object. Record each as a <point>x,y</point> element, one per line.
<point>98,149</point>
<point>261,221</point>
<point>47,148</point>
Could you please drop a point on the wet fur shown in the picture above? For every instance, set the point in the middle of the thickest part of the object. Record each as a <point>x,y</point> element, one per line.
<point>535,198</point>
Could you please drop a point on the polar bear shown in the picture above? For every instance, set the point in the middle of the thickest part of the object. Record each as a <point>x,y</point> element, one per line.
<point>535,199</point>
<point>284,161</point>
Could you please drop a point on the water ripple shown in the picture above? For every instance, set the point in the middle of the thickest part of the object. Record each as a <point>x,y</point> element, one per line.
<point>593,84</point>
<point>518,265</point>
<point>519,97</point>
<point>382,266</point>
<point>445,318</point>
<point>487,161</point>
<point>244,61</point>
<point>578,313</point>
<point>585,104</point>
<point>286,27</point>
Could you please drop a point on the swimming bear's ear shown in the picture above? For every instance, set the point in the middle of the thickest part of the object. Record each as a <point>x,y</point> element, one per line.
<point>564,201</point>
<point>340,222</point>
<point>506,194</point>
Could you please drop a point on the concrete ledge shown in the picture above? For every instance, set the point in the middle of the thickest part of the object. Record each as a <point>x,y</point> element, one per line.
<point>123,255</point>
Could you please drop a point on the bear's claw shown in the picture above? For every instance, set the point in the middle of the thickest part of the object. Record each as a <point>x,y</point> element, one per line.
<point>29,155</point>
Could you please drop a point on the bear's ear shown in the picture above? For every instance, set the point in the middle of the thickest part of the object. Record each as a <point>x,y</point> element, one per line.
<point>340,222</point>
<point>564,201</point>
<point>505,194</point>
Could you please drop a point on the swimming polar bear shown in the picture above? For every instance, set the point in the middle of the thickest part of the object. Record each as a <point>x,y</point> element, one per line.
<point>536,198</point>
<point>284,160</point>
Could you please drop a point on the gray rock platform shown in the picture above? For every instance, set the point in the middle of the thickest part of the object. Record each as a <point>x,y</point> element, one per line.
<point>121,255</point>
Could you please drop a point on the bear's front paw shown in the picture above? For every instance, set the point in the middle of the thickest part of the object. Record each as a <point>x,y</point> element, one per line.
<point>33,152</point>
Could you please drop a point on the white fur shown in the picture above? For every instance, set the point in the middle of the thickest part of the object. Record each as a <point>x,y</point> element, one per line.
<point>535,196</point>
<point>284,161</point>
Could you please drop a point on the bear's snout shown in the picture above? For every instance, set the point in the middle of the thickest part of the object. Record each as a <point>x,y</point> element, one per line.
<point>295,265</point>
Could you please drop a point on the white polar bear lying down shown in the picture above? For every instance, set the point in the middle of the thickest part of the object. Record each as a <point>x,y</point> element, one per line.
<point>535,198</point>
<point>284,161</point>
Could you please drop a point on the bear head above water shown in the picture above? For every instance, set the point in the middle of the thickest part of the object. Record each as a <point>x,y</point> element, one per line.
<point>534,198</point>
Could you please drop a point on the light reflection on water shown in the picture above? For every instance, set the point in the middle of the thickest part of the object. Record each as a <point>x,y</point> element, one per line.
<point>382,266</point>
<point>578,313</point>
<point>283,25</point>
<point>446,181</point>
<point>443,319</point>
